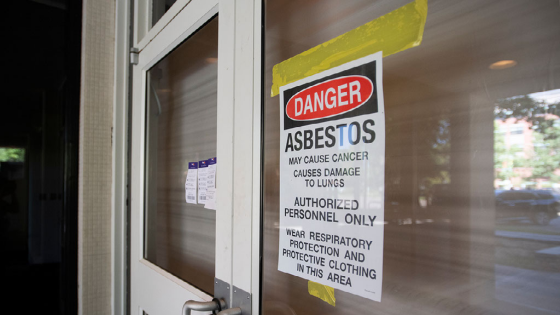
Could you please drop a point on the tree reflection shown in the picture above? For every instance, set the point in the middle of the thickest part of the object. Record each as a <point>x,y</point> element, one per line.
<point>527,141</point>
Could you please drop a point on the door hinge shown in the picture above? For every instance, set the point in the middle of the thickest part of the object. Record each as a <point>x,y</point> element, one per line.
<point>134,55</point>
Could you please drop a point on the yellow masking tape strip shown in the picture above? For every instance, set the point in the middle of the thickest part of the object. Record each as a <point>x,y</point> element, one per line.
<point>321,291</point>
<point>393,32</point>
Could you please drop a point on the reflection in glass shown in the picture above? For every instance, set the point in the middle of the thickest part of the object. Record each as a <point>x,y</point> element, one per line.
<point>458,134</point>
<point>16,219</point>
<point>9,154</point>
<point>527,189</point>
<point>181,126</point>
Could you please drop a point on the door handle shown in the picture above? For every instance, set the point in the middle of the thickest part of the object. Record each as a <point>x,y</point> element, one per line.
<point>214,305</point>
<point>231,311</point>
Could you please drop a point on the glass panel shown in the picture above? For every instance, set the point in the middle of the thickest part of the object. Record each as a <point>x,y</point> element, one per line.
<point>159,7</point>
<point>181,123</point>
<point>460,132</point>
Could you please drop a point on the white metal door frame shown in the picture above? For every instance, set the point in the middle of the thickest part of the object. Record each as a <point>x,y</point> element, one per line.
<point>243,90</point>
<point>238,148</point>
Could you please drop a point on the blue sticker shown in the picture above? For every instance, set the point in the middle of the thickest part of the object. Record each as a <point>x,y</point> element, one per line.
<point>193,165</point>
<point>212,161</point>
<point>203,164</point>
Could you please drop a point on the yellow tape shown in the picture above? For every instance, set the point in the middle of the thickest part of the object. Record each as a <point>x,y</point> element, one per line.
<point>321,291</point>
<point>393,32</point>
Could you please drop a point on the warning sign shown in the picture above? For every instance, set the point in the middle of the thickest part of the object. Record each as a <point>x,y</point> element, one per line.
<point>332,160</point>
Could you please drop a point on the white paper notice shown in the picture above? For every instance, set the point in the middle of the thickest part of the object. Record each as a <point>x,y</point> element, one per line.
<point>190,182</point>
<point>211,184</point>
<point>202,180</point>
<point>210,198</point>
<point>211,173</point>
<point>332,164</point>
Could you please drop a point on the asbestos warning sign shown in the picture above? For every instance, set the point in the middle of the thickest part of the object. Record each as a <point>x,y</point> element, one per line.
<point>332,162</point>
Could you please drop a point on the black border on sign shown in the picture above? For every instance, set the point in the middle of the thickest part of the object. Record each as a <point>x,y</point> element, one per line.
<point>371,106</point>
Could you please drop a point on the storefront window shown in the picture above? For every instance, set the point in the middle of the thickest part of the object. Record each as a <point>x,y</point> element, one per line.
<point>472,166</point>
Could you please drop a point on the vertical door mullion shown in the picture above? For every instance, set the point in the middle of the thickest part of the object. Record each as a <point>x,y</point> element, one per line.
<point>137,177</point>
<point>246,149</point>
<point>243,153</point>
<point>225,179</point>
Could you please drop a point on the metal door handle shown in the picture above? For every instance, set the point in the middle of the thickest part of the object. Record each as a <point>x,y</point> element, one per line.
<point>231,311</point>
<point>214,305</point>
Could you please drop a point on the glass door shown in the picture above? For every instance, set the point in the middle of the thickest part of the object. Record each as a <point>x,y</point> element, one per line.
<point>192,177</point>
<point>471,187</point>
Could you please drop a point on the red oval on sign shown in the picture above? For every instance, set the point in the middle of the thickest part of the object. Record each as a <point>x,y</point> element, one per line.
<point>330,98</point>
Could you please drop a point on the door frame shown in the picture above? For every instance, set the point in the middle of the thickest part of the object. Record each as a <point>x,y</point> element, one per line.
<point>238,225</point>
